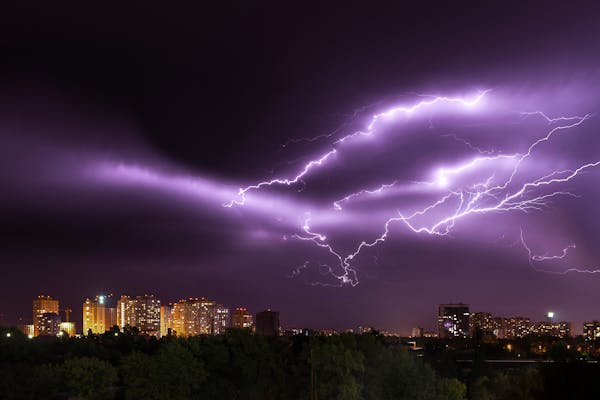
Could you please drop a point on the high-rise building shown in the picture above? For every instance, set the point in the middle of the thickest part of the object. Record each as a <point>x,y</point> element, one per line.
<point>110,317</point>
<point>50,324</point>
<point>124,312</point>
<point>179,315</point>
<point>512,327</point>
<point>196,317</point>
<point>591,330</point>
<point>453,321</point>
<point>141,312</point>
<point>94,315</point>
<point>242,319</point>
<point>68,328</point>
<point>166,320</point>
<point>267,323</point>
<point>41,306</point>
<point>550,328</point>
<point>482,321</point>
<point>207,316</point>
<point>192,318</point>
<point>221,320</point>
<point>146,314</point>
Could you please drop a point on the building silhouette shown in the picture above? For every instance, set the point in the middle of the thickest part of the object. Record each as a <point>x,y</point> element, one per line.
<point>267,323</point>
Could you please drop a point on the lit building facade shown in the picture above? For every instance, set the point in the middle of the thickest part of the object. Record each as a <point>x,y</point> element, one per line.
<point>482,321</point>
<point>221,320</point>
<point>179,316</point>
<point>124,312</point>
<point>41,306</point>
<point>27,330</point>
<point>68,328</point>
<point>512,327</point>
<point>146,314</point>
<point>50,324</point>
<point>242,319</point>
<point>207,316</point>
<point>453,321</point>
<point>198,316</point>
<point>110,317</point>
<point>549,328</point>
<point>94,316</point>
<point>267,323</point>
<point>141,312</point>
<point>591,330</point>
<point>166,320</point>
<point>501,327</point>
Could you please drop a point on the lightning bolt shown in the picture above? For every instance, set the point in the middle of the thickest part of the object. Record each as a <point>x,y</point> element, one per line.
<point>337,205</point>
<point>561,256</point>
<point>468,144</point>
<point>282,181</point>
<point>494,194</point>
<point>349,119</point>
<point>368,132</point>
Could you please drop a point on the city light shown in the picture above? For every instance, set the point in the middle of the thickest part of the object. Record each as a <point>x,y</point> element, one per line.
<point>550,314</point>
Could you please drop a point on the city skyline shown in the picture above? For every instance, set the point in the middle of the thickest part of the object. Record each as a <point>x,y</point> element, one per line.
<point>452,319</point>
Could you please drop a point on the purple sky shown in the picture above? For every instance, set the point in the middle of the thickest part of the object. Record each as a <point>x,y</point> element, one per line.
<point>121,152</point>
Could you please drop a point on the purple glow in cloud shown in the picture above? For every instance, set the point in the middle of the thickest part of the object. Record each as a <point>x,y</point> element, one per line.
<point>486,184</point>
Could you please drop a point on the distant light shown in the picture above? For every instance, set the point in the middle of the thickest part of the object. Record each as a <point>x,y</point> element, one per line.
<point>116,334</point>
<point>550,314</point>
<point>8,334</point>
<point>30,336</point>
<point>101,299</point>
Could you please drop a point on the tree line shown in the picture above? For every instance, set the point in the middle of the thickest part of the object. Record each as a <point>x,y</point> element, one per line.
<point>236,365</point>
<point>242,366</point>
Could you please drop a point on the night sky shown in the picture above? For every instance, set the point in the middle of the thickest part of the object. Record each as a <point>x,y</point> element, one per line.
<point>127,131</point>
